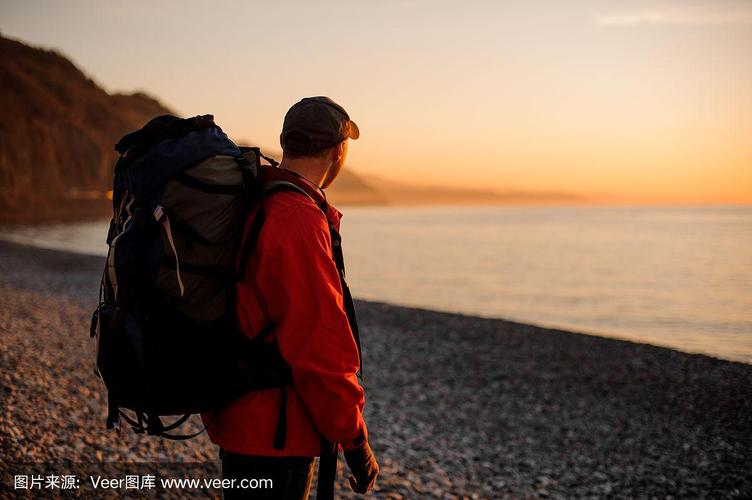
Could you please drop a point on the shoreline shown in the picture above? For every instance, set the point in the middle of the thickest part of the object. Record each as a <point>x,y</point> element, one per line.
<point>456,404</point>
<point>571,329</point>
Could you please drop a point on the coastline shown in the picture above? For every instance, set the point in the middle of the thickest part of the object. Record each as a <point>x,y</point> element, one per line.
<point>456,404</point>
<point>683,287</point>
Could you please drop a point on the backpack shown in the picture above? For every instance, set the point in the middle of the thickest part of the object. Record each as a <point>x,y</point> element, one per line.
<point>168,342</point>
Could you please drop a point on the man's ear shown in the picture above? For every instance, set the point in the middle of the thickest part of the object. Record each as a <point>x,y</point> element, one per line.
<point>281,143</point>
<point>339,150</point>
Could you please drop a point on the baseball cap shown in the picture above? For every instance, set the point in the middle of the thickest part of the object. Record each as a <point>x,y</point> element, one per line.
<point>316,123</point>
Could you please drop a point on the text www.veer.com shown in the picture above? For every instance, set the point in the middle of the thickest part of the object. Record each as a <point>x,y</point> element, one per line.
<point>227,484</point>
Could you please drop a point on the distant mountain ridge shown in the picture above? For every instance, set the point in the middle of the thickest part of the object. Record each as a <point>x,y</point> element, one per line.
<point>57,134</point>
<point>348,189</point>
<point>404,194</point>
<point>57,131</point>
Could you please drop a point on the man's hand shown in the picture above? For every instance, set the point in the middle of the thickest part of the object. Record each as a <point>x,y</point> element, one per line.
<point>363,466</point>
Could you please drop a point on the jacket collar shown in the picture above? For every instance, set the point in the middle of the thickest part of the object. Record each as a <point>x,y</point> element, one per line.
<point>317,194</point>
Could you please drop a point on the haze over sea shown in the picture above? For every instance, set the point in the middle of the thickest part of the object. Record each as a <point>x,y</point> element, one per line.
<point>674,276</point>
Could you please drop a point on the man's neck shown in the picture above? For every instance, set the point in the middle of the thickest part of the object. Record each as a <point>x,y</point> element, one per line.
<point>307,169</point>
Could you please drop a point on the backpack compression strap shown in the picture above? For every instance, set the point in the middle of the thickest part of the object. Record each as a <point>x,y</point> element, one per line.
<point>152,425</point>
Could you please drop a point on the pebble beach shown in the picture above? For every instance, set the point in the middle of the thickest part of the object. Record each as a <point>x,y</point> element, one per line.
<point>457,406</point>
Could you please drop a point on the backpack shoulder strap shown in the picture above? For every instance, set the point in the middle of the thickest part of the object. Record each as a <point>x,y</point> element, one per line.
<point>254,231</point>
<point>339,260</point>
<point>248,245</point>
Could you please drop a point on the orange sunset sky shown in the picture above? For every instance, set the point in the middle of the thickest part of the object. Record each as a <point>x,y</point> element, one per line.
<point>618,101</point>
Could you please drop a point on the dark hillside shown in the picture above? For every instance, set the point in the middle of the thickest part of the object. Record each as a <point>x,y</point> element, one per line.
<point>57,131</point>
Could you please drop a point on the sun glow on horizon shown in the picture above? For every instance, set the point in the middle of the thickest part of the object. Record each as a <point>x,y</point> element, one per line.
<point>645,104</point>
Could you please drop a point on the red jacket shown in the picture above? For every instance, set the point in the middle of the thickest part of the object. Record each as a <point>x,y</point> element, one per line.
<point>293,281</point>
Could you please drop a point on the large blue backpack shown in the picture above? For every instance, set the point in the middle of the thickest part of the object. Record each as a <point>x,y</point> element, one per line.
<point>167,337</point>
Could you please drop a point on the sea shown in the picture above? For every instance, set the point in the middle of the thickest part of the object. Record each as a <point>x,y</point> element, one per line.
<point>679,277</point>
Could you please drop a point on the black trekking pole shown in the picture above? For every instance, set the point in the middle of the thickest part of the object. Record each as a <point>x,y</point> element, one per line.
<point>327,470</point>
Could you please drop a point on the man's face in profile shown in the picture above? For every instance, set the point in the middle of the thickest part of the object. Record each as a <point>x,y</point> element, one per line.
<point>334,170</point>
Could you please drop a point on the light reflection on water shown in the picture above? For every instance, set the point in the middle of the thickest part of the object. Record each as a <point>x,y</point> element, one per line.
<point>680,277</point>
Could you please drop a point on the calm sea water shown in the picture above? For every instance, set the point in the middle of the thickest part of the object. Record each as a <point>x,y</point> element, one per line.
<point>678,277</point>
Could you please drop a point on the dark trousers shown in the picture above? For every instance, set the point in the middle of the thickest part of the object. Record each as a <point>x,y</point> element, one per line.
<point>290,476</point>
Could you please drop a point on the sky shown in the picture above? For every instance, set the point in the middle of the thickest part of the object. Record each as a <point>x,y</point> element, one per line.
<point>617,101</point>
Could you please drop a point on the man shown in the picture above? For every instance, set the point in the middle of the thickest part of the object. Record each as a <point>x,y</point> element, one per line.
<point>294,283</point>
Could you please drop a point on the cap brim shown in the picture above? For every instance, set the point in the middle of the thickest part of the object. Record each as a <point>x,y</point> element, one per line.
<point>354,131</point>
